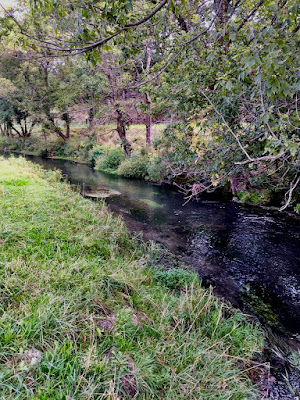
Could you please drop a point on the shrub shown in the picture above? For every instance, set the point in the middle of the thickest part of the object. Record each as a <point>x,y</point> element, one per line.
<point>94,155</point>
<point>111,159</point>
<point>43,153</point>
<point>297,208</point>
<point>134,167</point>
<point>157,170</point>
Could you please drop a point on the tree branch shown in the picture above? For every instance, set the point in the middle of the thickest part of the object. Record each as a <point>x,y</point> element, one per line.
<point>256,7</point>
<point>94,44</point>
<point>289,193</point>
<point>259,159</point>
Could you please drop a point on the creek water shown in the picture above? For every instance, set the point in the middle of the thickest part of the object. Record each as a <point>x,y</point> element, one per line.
<point>249,255</point>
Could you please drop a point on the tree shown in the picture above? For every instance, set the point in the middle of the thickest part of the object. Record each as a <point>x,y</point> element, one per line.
<point>227,70</point>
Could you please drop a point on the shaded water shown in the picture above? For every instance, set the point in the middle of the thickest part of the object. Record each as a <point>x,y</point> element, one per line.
<point>250,256</point>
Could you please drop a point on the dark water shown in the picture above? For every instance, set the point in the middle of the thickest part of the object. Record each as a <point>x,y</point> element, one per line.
<point>250,256</point>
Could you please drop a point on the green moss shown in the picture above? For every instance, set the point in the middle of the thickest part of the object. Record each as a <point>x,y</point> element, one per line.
<point>262,303</point>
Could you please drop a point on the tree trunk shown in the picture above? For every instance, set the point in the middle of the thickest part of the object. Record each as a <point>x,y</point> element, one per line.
<point>148,121</point>
<point>121,121</point>
<point>51,125</point>
<point>91,119</point>
<point>31,128</point>
<point>66,117</point>
<point>2,130</point>
<point>221,7</point>
<point>59,132</point>
<point>19,134</point>
<point>121,129</point>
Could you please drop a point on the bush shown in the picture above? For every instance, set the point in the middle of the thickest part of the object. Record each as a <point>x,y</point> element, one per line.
<point>94,156</point>
<point>134,167</point>
<point>157,170</point>
<point>297,208</point>
<point>43,153</point>
<point>111,159</point>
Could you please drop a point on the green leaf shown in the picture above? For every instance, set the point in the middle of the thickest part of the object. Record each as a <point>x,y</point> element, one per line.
<point>229,85</point>
<point>266,118</point>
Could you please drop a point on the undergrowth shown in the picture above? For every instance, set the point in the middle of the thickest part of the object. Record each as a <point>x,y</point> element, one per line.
<point>135,166</point>
<point>85,316</point>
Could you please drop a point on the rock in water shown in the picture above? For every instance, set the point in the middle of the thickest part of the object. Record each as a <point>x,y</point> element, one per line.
<point>102,194</point>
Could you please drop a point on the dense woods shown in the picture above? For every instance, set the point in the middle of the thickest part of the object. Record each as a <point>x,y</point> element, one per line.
<point>222,74</point>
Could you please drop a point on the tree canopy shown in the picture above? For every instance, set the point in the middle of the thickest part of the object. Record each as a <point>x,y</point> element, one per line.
<point>226,73</point>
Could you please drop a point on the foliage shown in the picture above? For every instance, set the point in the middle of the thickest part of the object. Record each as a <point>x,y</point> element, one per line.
<point>77,293</point>
<point>157,170</point>
<point>94,155</point>
<point>134,167</point>
<point>225,73</point>
<point>257,197</point>
<point>110,159</point>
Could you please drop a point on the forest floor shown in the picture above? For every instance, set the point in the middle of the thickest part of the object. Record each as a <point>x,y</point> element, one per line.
<point>86,312</point>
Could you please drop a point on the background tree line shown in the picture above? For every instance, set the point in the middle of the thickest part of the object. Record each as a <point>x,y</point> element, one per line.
<point>225,74</point>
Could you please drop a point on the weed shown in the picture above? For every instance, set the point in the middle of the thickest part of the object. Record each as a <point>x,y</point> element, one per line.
<point>175,278</point>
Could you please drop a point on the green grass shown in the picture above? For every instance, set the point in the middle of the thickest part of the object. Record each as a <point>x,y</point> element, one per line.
<point>85,316</point>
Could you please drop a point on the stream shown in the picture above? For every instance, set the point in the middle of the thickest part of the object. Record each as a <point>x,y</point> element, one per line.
<point>249,255</point>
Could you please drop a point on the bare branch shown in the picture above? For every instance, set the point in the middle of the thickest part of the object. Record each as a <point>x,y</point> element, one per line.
<point>289,193</point>
<point>264,158</point>
<point>183,46</point>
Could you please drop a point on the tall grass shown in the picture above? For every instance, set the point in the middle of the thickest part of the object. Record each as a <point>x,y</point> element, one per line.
<point>84,315</point>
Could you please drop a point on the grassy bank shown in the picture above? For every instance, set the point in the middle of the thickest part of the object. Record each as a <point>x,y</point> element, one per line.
<point>85,316</point>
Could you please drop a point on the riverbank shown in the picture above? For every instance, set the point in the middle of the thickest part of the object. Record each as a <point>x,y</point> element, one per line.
<point>105,154</point>
<point>83,311</point>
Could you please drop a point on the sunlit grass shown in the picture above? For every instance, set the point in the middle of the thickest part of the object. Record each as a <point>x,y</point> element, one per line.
<point>77,292</point>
